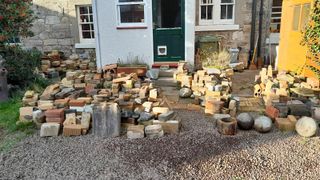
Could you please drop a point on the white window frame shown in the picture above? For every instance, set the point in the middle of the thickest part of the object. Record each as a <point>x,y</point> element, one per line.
<point>226,21</point>
<point>120,24</point>
<point>217,14</point>
<point>207,21</point>
<point>84,40</point>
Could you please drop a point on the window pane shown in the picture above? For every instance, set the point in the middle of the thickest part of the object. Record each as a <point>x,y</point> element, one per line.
<point>83,10</point>
<point>91,18</point>
<point>226,1</point>
<point>92,34</point>
<point>296,18</point>
<point>90,9</point>
<point>84,18</point>
<point>210,10</point>
<point>91,26</point>
<point>204,1</point>
<point>132,13</point>
<point>85,27</point>
<point>130,0</point>
<point>203,12</point>
<point>86,35</point>
<point>223,12</point>
<point>230,11</point>
<point>304,16</point>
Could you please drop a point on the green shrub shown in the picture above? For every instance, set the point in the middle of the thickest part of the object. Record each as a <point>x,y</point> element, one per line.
<point>21,65</point>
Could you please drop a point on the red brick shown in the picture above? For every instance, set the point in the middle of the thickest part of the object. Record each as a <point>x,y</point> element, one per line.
<point>55,120</point>
<point>272,112</point>
<point>54,113</point>
<point>77,103</point>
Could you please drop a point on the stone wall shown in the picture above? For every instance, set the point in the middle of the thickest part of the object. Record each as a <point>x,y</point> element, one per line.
<point>240,38</point>
<point>56,26</point>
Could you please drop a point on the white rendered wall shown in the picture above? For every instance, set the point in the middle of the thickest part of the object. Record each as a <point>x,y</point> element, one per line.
<point>112,43</point>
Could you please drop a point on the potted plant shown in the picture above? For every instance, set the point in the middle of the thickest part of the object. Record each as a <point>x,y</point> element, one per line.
<point>133,65</point>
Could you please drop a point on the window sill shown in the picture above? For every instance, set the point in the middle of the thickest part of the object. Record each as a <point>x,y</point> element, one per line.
<point>218,27</point>
<point>131,27</point>
<point>85,45</point>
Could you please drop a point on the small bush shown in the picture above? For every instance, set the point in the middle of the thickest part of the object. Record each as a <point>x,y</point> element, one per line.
<point>21,65</point>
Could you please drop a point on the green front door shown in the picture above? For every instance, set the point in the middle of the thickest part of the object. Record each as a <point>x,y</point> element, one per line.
<point>168,30</point>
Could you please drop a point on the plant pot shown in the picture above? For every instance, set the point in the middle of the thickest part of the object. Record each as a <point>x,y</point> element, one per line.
<point>140,71</point>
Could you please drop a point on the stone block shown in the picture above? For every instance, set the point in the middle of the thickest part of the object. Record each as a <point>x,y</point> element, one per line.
<point>147,106</point>
<point>135,132</point>
<point>153,94</point>
<point>166,116</point>
<point>284,124</point>
<point>299,110</point>
<point>160,110</point>
<point>26,113</point>
<point>77,103</point>
<point>106,120</point>
<point>169,127</point>
<point>70,119</point>
<point>49,129</point>
<point>72,130</point>
<point>154,131</point>
<point>50,92</point>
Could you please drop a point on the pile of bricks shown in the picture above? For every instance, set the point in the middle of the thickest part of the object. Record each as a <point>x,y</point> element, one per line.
<point>53,64</point>
<point>210,88</point>
<point>287,97</point>
<point>117,104</point>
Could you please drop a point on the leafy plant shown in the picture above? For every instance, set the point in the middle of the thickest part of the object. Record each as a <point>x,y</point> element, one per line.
<point>21,65</point>
<point>16,18</point>
<point>311,39</point>
<point>219,60</point>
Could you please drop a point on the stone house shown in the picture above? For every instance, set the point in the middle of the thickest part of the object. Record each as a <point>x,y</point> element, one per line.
<point>155,31</point>
<point>64,25</point>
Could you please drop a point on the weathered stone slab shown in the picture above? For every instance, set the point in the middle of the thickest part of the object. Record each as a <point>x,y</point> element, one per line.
<point>106,120</point>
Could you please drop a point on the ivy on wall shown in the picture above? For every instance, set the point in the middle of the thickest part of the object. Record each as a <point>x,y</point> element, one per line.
<point>311,39</point>
<point>16,19</point>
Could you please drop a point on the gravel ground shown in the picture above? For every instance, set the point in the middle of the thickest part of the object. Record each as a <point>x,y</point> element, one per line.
<point>198,152</point>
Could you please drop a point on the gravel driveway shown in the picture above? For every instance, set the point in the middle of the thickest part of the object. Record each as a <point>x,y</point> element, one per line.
<point>198,152</point>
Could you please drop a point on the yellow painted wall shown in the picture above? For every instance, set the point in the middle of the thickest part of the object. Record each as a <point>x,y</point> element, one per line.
<point>292,55</point>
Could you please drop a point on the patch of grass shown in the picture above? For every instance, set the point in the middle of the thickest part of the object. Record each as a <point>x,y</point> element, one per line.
<point>11,132</point>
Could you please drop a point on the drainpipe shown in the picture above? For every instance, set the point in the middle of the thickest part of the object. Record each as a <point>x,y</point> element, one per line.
<point>260,28</point>
<point>253,30</point>
<point>97,33</point>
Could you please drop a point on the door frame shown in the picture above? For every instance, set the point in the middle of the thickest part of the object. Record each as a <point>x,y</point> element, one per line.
<point>183,29</point>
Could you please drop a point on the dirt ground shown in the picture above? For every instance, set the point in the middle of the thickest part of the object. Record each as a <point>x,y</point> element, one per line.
<point>198,152</point>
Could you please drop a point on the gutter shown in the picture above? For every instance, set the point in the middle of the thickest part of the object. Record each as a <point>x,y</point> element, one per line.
<point>253,30</point>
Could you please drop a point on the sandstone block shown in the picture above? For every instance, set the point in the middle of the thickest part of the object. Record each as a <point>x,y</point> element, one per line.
<point>284,124</point>
<point>72,130</point>
<point>169,127</point>
<point>49,129</point>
